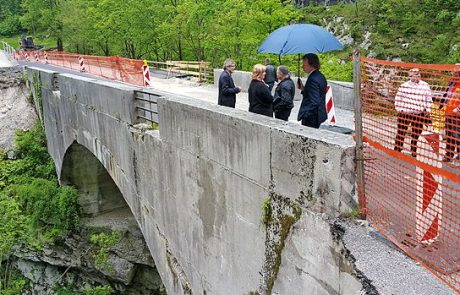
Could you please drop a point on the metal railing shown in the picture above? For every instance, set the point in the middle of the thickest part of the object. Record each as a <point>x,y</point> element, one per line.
<point>198,69</point>
<point>147,107</point>
<point>9,50</point>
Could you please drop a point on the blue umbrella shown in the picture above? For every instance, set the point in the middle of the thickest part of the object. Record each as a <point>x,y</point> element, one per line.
<point>299,38</point>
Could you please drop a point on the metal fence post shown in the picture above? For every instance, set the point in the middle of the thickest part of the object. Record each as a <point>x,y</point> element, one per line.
<point>362,202</point>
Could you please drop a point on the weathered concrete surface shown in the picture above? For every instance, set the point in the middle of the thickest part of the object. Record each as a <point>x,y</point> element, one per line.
<point>315,258</point>
<point>6,61</point>
<point>341,91</point>
<point>16,112</point>
<point>343,94</point>
<point>197,185</point>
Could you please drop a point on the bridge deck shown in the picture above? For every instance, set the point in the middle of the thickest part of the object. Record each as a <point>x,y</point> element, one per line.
<point>205,92</point>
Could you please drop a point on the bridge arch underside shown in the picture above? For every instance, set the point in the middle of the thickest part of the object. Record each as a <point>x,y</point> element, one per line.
<point>104,206</point>
<point>98,191</point>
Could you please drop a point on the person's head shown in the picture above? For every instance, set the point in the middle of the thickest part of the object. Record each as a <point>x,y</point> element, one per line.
<point>267,62</point>
<point>282,72</point>
<point>310,63</point>
<point>229,65</point>
<point>456,72</point>
<point>414,75</point>
<point>258,72</point>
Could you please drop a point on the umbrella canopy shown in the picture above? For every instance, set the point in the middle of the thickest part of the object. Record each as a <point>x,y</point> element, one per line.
<point>299,38</point>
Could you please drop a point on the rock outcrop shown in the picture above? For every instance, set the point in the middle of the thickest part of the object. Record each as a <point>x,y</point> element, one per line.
<point>72,262</point>
<point>16,111</point>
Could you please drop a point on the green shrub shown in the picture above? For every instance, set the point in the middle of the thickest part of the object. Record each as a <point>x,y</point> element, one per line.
<point>34,208</point>
<point>12,282</point>
<point>103,241</point>
<point>100,290</point>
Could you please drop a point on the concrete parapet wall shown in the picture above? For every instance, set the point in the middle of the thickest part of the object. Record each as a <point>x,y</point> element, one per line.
<point>342,91</point>
<point>215,190</point>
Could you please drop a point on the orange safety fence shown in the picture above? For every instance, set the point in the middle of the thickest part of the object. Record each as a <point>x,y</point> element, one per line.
<point>411,135</point>
<point>111,67</point>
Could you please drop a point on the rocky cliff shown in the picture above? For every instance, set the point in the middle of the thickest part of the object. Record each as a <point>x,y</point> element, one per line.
<point>16,111</point>
<point>77,263</point>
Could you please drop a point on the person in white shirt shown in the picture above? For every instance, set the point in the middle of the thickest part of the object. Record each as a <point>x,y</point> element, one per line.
<point>412,102</point>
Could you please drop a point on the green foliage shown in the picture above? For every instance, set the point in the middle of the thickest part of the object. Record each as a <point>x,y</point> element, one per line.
<point>220,29</point>
<point>336,69</point>
<point>9,17</point>
<point>266,211</point>
<point>352,214</point>
<point>12,282</point>
<point>100,290</point>
<point>103,242</point>
<point>154,126</point>
<point>34,209</point>
<point>13,225</point>
<point>48,205</point>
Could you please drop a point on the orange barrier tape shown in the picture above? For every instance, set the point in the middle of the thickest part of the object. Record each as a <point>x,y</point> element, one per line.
<point>112,67</point>
<point>411,135</point>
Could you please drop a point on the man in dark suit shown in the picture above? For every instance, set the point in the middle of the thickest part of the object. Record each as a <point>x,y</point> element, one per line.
<point>227,89</point>
<point>312,111</point>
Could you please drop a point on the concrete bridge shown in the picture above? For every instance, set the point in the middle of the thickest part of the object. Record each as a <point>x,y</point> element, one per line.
<point>229,202</point>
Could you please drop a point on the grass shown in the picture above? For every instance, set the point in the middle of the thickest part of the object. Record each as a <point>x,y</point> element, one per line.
<point>352,214</point>
<point>39,39</point>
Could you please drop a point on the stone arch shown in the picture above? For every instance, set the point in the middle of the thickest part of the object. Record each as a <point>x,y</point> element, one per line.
<point>104,206</point>
<point>98,192</point>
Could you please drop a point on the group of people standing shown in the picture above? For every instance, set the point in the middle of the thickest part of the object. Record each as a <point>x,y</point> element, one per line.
<point>312,111</point>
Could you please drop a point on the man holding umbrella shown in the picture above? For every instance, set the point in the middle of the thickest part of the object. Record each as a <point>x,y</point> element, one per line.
<point>312,111</point>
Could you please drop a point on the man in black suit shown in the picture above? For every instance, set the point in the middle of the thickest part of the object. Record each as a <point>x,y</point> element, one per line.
<point>227,88</point>
<point>312,111</point>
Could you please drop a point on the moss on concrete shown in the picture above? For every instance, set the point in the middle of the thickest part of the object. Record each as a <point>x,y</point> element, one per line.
<point>279,214</point>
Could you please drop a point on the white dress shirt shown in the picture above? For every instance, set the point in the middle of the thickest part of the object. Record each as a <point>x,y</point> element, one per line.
<point>413,98</point>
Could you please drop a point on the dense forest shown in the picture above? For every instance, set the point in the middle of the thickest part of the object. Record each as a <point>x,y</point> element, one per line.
<point>212,30</point>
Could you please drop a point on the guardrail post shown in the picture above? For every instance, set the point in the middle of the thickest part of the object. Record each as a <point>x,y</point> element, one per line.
<point>362,202</point>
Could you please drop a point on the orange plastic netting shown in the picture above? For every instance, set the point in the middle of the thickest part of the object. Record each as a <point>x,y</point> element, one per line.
<point>411,134</point>
<point>112,67</point>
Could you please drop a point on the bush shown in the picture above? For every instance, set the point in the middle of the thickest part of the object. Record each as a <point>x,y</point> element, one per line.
<point>34,208</point>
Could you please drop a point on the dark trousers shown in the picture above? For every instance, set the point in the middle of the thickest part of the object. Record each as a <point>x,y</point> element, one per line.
<point>404,121</point>
<point>311,121</point>
<point>452,136</point>
<point>283,114</point>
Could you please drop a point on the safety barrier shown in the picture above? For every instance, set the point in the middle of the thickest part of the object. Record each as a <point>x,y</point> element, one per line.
<point>112,67</point>
<point>330,108</point>
<point>118,68</point>
<point>411,144</point>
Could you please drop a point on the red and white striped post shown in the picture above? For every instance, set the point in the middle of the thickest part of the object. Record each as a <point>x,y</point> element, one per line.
<point>82,64</point>
<point>428,213</point>
<point>330,106</point>
<point>146,74</point>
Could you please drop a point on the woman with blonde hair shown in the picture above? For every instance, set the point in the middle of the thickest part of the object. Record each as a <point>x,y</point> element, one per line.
<point>260,98</point>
